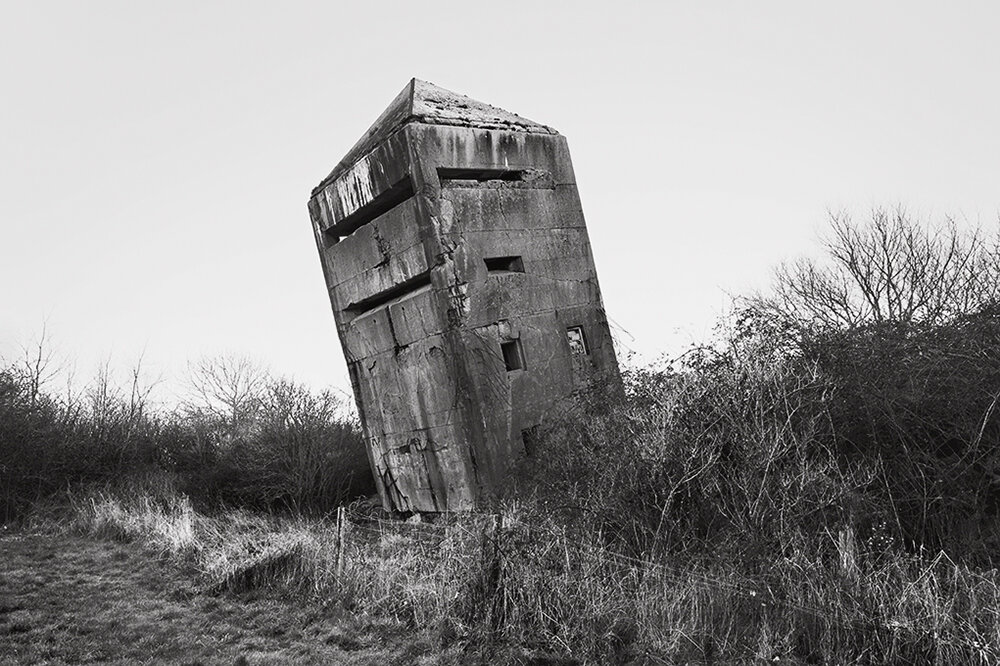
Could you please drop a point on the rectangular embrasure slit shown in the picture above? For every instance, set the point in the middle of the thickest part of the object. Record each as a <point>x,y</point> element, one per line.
<point>397,292</point>
<point>525,178</point>
<point>513,355</point>
<point>380,205</point>
<point>511,264</point>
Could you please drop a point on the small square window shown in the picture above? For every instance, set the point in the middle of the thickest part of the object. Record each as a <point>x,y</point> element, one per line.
<point>504,264</point>
<point>513,357</point>
<point>577,341</point>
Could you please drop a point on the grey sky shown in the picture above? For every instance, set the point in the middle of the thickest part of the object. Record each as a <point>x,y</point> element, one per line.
<point>157,157</point>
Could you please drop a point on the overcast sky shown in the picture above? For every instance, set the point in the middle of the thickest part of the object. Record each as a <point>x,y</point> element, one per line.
<point>157,157</point>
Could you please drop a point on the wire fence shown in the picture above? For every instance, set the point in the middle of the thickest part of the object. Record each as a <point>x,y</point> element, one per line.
<point>489,533</point>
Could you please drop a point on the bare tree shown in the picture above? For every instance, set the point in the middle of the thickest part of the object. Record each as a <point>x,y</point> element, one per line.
<point>228,388</point>
<point>38,365</point>
<point>113,406</point>
<point>891,270</point>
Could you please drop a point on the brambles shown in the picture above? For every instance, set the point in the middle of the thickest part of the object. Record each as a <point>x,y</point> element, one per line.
<point>902,324</point>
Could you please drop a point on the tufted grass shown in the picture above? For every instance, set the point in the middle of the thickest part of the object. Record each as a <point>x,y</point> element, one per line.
<point>519,586</point>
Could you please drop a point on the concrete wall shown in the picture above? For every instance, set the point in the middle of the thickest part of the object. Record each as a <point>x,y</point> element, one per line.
<point>439,246</point>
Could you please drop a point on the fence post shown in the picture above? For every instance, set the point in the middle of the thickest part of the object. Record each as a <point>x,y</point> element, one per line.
<point>499,614</point>
<point>340,543</point>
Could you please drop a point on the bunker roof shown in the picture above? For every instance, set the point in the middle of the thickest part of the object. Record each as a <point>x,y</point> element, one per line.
<point>423,102</point>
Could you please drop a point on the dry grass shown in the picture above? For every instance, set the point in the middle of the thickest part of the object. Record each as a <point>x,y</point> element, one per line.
<point>169,524</point>
<point>67,599</point>
<point>198,589</point>
<point>526,589</point>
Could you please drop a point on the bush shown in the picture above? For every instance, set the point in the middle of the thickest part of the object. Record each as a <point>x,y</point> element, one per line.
<point>301,452</point>
<point>902,324</point>
<point>727,457</point>
<point>49,445</point>
<point>290,449</point>
<point>919,403</point>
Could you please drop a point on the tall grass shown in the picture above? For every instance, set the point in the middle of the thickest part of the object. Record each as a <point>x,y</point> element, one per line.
<point>516,585</point>
<point>169,525</point>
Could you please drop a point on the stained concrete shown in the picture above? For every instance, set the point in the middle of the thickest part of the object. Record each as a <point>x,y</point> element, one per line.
<point>460,273</point>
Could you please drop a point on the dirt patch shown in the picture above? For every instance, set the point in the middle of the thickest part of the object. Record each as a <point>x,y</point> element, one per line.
<point>73,600</point>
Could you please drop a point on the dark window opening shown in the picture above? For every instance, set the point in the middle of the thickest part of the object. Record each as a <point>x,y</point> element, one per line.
<point>516,178</point>
<point>398,291</point>
<point>380,205</point>
<point>577,341</point>
<point>482,175</point>
<point>504,264</point>
<point>513,357</point>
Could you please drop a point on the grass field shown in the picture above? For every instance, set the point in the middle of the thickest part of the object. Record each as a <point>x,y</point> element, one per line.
<point>73,600</point>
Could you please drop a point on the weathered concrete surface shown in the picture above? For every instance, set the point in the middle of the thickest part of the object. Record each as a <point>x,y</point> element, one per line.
<point>461,278</point>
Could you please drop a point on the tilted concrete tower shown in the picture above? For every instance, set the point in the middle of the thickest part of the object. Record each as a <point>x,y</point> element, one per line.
<point>465,294</point>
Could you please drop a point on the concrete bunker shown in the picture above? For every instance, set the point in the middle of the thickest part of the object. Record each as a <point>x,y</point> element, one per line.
<point>464,291</point>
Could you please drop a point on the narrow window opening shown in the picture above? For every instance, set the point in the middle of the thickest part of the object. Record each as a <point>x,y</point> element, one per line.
<point>481,175</point>
<point>515,178</point>
<point>380,205</point>
<point>577,341</point>
<point>504,264</point>
<point>399,291</point>
<point>513,357</point>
